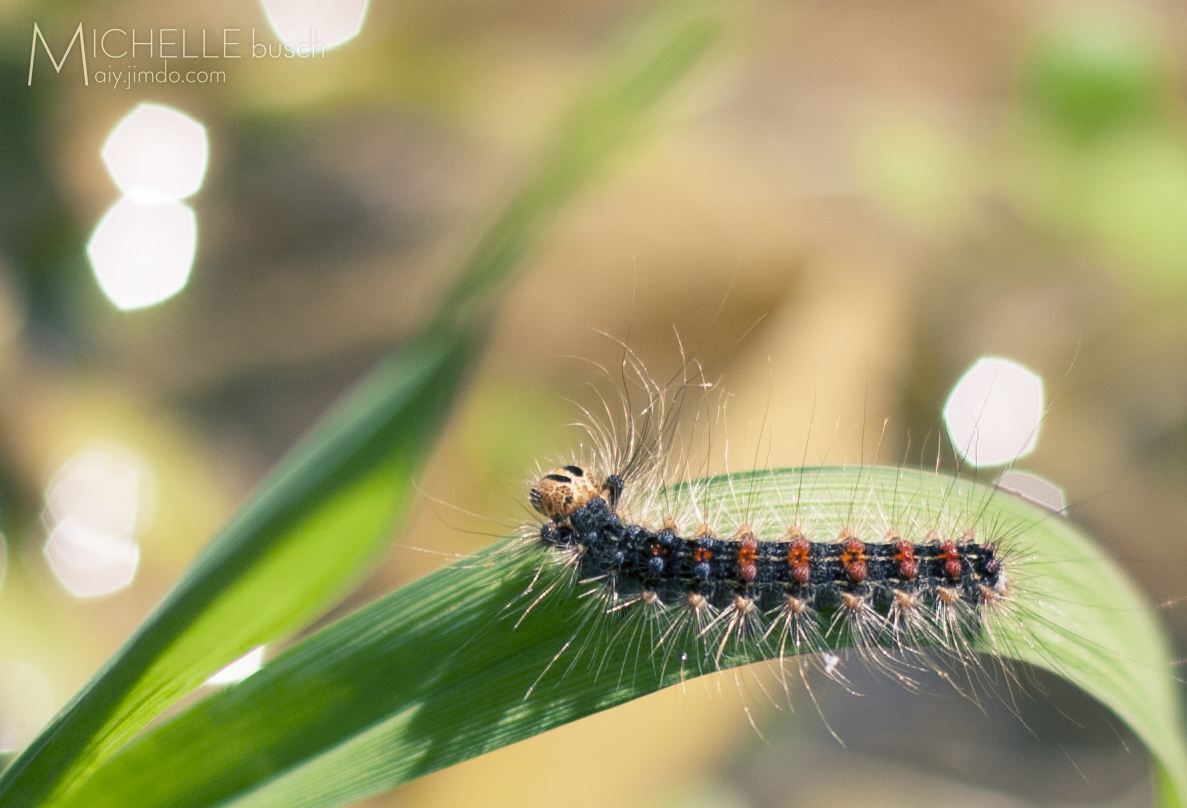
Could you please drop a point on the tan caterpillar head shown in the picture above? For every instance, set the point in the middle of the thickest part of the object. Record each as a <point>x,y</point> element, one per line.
<point>561,491</point>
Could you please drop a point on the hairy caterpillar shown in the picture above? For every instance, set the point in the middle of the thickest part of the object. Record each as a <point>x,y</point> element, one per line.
<point>912,572</point>
<point>744,558</point>
<point>889,592</point>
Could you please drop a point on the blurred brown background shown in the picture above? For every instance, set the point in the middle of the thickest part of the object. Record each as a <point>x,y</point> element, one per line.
<point>839,213</point>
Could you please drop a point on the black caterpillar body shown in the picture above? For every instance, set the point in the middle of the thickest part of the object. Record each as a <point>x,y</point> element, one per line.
<point>825,576</point>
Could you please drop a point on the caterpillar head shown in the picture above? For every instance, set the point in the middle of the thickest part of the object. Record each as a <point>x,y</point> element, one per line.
<point>562,491</point>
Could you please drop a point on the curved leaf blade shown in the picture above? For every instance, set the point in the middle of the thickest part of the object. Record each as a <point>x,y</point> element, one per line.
<point>441,670</point>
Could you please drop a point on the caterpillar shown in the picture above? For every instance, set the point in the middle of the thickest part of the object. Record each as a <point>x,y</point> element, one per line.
<point>758,562</point>
<point>891,583</point>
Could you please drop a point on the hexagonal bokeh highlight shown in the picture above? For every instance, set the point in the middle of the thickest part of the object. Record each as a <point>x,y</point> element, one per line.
<point>89,562</point>
<point>93,507</point>
<point>1033,488</point>
<point>157,154</point>
<point>142,254</point>
<point>100,487</point>
<point>308,25</point>
<point>994,411</point>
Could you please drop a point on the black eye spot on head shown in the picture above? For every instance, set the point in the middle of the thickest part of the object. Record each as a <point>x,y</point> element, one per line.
<point>560,478</point>
<point>576,471</point>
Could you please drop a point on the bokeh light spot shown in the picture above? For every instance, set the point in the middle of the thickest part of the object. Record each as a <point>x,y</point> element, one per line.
<point>308,24</point>
<point>100,487</point>
<point>1033,488</point>
<point>93,508</point>
<point>88,562</point>
<point>157,154</point>
<point>994,411</point>
<point>142,254</point>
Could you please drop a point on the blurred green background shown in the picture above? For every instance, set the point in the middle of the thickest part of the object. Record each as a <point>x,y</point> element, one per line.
<point>839,213</point>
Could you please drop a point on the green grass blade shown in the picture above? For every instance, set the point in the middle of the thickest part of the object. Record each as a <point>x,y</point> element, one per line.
<point>306,534</point>
<point>310,531</point>
<point>440,671</point>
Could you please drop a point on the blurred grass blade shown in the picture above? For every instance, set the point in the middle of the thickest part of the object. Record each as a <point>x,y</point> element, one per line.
<point>440,671</point>
<point>311,529</point>
<point>661,48</point>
